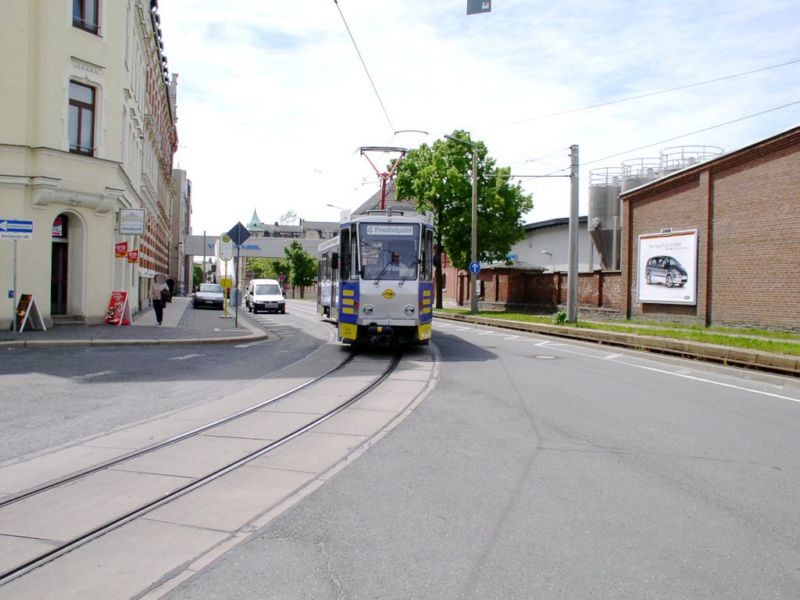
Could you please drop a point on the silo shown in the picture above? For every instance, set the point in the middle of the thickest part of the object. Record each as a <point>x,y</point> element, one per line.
<point>681,157</point>
<point>604,214</point>
<point>639,171</point>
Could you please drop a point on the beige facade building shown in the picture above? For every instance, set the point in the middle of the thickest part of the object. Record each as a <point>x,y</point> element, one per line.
<point>89,129</point>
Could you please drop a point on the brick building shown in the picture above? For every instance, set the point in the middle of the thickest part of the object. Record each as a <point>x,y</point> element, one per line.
<point>741,207</point>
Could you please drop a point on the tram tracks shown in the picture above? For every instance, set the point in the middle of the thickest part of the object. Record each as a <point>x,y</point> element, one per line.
<point>357,377</point>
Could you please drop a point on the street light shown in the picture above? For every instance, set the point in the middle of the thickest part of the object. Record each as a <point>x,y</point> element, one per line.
<point>552,262</point>
<point>473,305</point>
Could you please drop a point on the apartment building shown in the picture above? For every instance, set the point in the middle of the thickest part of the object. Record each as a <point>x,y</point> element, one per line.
<point>86,151</point>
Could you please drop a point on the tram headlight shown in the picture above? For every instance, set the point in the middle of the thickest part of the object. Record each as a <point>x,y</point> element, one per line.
<point>410,310</point>
<point>367,309</point>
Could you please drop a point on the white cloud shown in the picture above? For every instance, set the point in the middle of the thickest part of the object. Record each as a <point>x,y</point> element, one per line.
<point>273,101</point>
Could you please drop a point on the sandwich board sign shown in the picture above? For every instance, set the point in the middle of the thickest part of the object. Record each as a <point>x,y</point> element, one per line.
<point>28,314</point>
<point>118,312</point>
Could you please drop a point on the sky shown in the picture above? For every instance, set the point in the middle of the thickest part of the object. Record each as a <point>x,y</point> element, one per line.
<point>274,102</point>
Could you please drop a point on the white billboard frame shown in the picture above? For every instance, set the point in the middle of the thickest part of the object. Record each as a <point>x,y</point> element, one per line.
<point>131,221</point>
<point>681,246</point>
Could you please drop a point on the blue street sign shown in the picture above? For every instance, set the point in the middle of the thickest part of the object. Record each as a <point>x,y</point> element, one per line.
<point>475,267</point>
<point>14,229</point>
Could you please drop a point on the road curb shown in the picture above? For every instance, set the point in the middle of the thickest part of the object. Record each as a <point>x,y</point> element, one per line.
<point>783,364</point>
<point>63,343</point>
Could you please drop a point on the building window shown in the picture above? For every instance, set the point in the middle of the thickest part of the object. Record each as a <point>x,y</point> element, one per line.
<point>81,119</point>
<point>84,15</point>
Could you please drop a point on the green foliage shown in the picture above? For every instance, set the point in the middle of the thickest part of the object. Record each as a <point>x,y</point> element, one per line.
<point>439,178</point>
<point>197,276</point>
<point>302,266</point>
<point>561,317</point>
<point>259,268</point>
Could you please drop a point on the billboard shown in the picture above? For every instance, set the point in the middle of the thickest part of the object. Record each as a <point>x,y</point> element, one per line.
<point>667,269</point>
<point>131,221</point>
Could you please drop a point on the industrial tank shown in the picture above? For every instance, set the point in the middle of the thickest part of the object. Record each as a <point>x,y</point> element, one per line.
<point>639,171</point>
<point>604,214</point>
<point>681,157</point>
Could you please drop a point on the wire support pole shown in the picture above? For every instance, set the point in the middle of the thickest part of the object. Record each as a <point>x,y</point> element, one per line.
<point>572,274</point>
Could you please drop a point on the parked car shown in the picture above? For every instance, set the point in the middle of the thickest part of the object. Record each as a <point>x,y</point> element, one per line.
<point>666,270</point>
<point>264,294</point>
<point>209,294</point>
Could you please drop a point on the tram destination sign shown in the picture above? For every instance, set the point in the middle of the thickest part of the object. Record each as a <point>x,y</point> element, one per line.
<point>15,229</point>
<point>390,230</point>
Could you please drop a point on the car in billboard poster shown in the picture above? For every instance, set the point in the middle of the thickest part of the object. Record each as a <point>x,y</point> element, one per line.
<point>668,267</point>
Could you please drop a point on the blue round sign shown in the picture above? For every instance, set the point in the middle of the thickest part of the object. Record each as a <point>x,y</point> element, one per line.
<point>475,267</point>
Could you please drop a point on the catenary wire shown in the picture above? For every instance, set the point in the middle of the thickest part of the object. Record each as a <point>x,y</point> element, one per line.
<point>672,139</point>
<point>364,64</point>
<point>656,93</point>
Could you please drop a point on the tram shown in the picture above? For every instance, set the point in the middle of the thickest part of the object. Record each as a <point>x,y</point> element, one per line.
<point>376,278</point>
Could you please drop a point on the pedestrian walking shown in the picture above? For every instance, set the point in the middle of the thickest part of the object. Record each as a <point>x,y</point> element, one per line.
<point>159,293</point>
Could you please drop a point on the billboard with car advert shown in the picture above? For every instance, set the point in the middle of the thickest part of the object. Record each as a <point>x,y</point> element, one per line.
<point>667,270</point>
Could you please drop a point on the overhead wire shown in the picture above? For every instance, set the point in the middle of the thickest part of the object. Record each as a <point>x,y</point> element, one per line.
<point>677,137</point>
<point>364,64</point>
<point>656,93</point>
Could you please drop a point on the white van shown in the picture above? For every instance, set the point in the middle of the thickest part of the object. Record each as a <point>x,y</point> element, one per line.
<point>264,294</point>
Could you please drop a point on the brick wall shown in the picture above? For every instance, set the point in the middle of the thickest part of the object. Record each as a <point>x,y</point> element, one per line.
<point>756,244</point>
<point>531,290</point>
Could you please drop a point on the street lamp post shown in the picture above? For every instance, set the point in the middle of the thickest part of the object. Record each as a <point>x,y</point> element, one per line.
<point>552,262</point>
<point>473,282</point>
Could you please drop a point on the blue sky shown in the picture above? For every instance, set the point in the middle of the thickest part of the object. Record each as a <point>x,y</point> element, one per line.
<point>273,102</point>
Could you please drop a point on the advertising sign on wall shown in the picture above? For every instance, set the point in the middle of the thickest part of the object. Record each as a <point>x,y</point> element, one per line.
<point>667,270</point>
<point>121,249</point>
<point>133,256</point>
<point>131,221</point>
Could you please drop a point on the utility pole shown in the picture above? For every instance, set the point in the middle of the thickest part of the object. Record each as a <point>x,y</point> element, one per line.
<point>473,306</point>
<point>474,268</point>
<point>572,273</point>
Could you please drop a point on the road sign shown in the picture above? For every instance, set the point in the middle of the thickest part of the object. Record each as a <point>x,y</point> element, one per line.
<point>475,7</point>
<point>225,247</point>
<point>239,234</point>
<point>475,267</point>
<point>14,229</point>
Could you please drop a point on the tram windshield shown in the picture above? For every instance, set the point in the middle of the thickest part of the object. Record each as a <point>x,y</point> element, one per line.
<point>389,250</point>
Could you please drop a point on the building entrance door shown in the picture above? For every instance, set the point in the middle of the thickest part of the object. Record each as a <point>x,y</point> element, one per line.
<point>59,267</point>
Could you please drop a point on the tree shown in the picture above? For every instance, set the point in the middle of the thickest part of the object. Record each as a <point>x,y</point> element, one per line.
<point>197,276</point>
<point>289,218</point>
<point>439,178</point>
<point>303,266</point>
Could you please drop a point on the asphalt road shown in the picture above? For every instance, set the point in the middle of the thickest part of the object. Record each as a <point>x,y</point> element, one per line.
<point>55,396</point>
<point>546,469</point>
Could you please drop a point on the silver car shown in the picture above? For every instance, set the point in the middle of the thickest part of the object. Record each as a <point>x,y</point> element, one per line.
<point>666,270</point>
<point>209,294</point>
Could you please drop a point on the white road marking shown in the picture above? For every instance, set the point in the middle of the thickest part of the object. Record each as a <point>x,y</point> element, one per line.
<point>187,357</point>
<point>682,373</point>
<point>92,375</point>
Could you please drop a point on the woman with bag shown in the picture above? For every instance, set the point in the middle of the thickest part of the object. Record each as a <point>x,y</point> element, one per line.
<point>159,295</point>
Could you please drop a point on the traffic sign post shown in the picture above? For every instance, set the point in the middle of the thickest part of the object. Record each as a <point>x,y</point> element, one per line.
<point>474,267</point>
<point>15,229</point>
<point>239,235</point>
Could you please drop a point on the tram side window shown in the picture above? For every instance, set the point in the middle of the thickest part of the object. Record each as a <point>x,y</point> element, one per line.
<point>354,251</point>
<point>427,249</point>
<point>344,256</point>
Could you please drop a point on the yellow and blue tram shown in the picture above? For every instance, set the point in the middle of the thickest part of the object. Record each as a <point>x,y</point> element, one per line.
<point>376,278</point>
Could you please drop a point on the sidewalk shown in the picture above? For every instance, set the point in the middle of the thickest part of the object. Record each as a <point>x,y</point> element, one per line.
<point>182,324</point>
